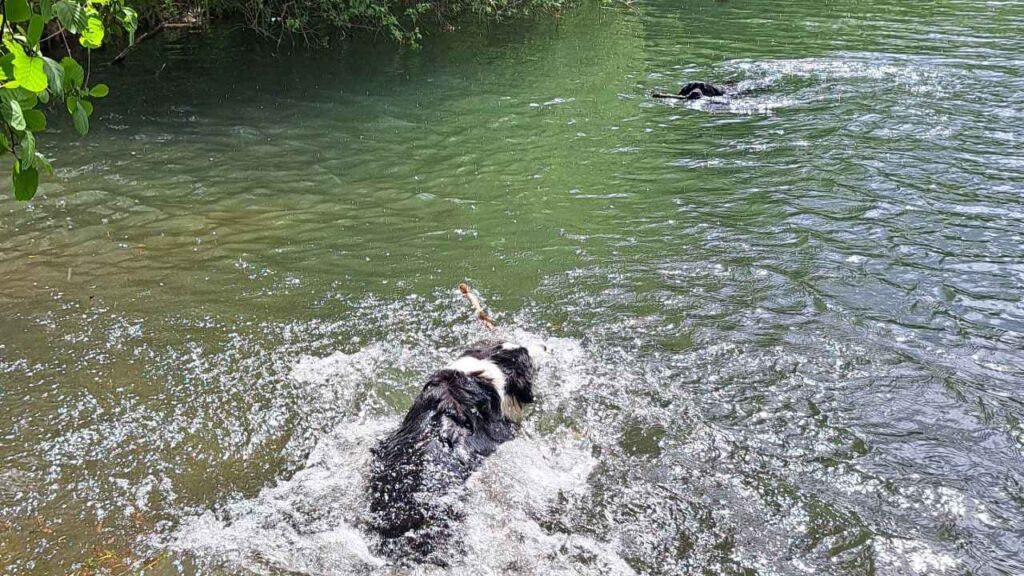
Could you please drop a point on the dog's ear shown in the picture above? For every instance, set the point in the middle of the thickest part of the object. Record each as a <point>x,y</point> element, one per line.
<point>522,390</point>
<point>519,372</point>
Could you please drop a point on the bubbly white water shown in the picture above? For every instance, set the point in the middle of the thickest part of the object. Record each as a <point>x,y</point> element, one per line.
<point>315,522</point>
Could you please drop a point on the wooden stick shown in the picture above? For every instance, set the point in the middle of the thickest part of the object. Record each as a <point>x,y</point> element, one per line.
<point>664,95</point>
<point>481,314</point>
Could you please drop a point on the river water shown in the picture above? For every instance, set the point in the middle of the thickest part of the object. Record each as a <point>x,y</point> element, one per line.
<point>786,329</point>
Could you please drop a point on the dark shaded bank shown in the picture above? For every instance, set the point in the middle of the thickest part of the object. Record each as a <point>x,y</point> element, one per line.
<point>318,22</point>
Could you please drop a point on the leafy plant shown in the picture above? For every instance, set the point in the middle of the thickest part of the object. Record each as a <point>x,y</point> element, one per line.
<point>403,21</point>
<point>30,79</point>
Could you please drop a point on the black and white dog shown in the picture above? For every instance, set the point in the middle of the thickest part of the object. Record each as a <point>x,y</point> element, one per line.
<point>464,412</point>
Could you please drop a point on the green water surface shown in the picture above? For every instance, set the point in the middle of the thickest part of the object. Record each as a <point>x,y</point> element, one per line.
<point>800,308</point>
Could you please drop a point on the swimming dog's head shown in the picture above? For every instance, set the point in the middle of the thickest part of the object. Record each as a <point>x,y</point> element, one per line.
<point>509,367</point>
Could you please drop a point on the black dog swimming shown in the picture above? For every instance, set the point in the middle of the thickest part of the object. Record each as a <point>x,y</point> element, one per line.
<point>695,91</point>
<point>698,90</point>
<point>461,416</point>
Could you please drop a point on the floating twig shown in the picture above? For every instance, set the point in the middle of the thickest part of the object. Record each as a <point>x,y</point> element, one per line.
<point>481,314</point>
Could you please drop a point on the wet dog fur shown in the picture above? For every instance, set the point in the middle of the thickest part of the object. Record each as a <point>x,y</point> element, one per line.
<point>464,412</point>
<point>698,90</point>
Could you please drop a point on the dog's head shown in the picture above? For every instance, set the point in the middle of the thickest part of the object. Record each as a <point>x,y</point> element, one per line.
<point>509,367</point>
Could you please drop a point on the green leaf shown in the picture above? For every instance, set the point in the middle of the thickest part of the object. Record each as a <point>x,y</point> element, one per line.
<point>15,48</point>
<point>99,91</point>
<point>54,76</point>
<point>81,120</point>
<point>35,120</point>
<point>21,94</point>
<point>7,65</point>
<point>29,73</point>
<point>72,104</point>
<point>26,181</point>
<point>46,10</point>
<point>28,150</point>
<point>83,103</point>
<point>42,162</point>
<point>130,20</point>
<point>27,100</point>
<point>92,34</point>
<point>17,10</point>
<point>71,15</point>
<point>26,70</point>
<point>35,30</point>
<point>74,75</point>
<point>44,97</point>
<point>11,111</point>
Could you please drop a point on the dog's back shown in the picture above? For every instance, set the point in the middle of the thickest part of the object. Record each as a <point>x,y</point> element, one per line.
<point>462,415</point>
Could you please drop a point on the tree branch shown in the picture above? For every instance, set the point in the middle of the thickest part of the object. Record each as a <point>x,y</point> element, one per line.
<point>128,49</point>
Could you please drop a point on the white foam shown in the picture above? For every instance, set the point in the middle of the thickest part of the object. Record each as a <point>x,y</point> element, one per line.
<point>339,365</point>
<point>904,556</point>
<point>306,524</point>
<point>511,495</point>
<point>315,522</point>
<point>562,366</point>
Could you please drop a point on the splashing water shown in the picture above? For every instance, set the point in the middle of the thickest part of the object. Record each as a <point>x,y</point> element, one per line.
<point>315,522</point>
